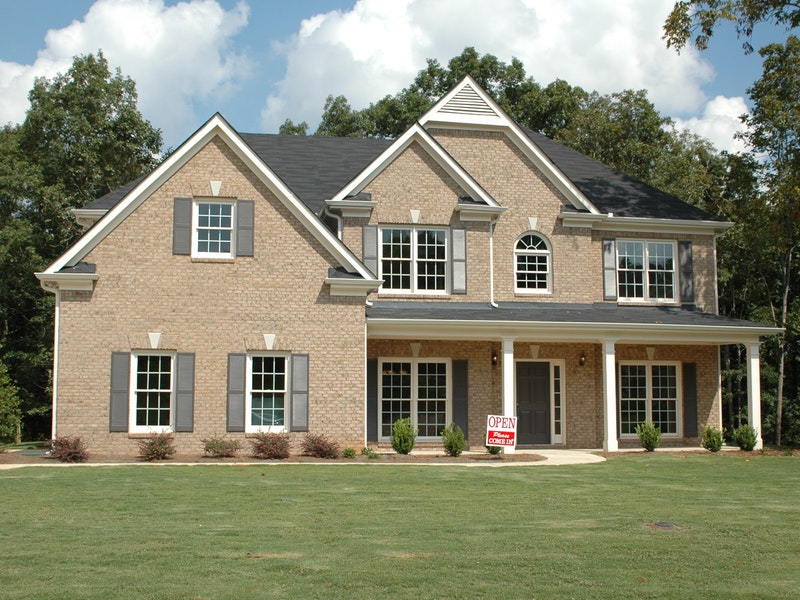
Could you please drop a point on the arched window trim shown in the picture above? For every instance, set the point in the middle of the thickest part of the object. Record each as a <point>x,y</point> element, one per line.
<point>547,253</point>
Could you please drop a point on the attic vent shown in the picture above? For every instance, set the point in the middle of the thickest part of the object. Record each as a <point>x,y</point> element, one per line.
<point>467,102</point>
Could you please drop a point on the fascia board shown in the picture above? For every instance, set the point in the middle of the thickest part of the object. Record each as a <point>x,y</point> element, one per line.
<point>67,281</point>
<point>352,287</point>
<point>610,222</point>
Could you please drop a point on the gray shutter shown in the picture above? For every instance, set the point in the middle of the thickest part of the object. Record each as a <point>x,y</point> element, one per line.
<point>459,250</point>
<point>299,411</point>
<point>609,269</point>
<point>120,384</point>
<point>689,400</point>
<point>182,226</point>
<point>369,247</point>
<point>686,272</point>
<point>245,216</point>
<point>184,392</point>
<point>461,395</point>
<point>372,399</point>
<point>237,373</point>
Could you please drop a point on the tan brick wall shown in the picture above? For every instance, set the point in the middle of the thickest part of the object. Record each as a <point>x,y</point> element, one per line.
<point>211,309</point>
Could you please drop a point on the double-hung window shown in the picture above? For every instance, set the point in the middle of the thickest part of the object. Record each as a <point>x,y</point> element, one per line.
<point>416,389</point>
<point>646,270</point>
<point>649,392</point>
<point>213,229</point>
<point>266,393</point>
<point>532,264</point>
<point>414,260</point>
<point>152,393</point>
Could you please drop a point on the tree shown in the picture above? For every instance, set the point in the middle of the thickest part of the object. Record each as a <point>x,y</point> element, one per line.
<point>9,408</point>
<point>289,128</point>
<point>339,119</point>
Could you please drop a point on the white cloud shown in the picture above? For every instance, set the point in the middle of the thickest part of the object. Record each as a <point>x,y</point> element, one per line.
<point>176,55</point>
<point>718,122</point>
<point>377,48</point>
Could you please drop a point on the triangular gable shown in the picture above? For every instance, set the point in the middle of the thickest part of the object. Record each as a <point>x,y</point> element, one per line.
<point>216,126</point>
<point>467,104</point>
<point>416,133</point>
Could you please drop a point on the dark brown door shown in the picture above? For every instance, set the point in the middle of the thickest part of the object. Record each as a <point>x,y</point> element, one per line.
<point>533,403</point>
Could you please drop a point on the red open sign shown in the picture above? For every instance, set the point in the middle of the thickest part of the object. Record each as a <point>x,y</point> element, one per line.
<point>501,431</point>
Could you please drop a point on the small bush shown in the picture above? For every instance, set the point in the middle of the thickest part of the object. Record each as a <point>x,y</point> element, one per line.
<point>649,435</point>
<point>349,453</point>
<point>319,446</point>
<point>712,439</point>
<point>219,447</point>
<point>69,450</point>
<point>369,453</point>
<point>454,441</point>
<point>158,446</point>
<point>493,449</point>
<point>270,445</point>
<point>404,436</point>
<point>745,437</point>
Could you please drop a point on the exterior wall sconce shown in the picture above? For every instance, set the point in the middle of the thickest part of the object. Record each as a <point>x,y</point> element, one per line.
<point>582,359</point>
<point>494,358</point>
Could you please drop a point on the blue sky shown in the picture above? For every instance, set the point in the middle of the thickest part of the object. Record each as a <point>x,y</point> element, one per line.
<point>259,62</point>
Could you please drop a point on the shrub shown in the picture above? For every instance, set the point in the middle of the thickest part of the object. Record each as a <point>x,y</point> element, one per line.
<point>745,437</point>
<point>319,446</point>
<point>369,453</point>
<point>493,449</point>
<point>219,447</point>
<point>69,450</point>
<point>454,441</point>
<point>649,435</point>
<point>270,445</point>
<point>404,436</point>
<point>157,446</point>
<point>349,453</point>
<point>712,439</point>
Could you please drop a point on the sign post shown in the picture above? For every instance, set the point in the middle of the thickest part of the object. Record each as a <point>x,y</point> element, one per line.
<point>501,431</point>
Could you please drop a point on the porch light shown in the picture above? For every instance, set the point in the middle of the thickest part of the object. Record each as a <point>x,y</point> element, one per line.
<point>494,358</point>
<point>582,359</point>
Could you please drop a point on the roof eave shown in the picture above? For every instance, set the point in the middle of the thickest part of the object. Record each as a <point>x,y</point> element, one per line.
<point>612,222</point>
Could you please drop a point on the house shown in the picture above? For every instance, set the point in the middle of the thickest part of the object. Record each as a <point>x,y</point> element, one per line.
<point>470,267</point>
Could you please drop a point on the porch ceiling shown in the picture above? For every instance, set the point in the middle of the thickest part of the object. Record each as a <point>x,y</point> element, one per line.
<point>553,322</point>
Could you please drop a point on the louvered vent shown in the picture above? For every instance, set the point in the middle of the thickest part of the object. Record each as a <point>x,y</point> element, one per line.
<point>467,102</point>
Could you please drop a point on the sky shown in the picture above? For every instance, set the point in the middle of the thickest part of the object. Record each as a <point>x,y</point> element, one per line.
<point>259,62</point>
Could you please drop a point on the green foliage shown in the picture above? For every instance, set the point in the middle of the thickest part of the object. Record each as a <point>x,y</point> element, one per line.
<point>711,439</point>
<point>745,437</point>
<point>370,453</point>
<point>9,407</point>
<point>270,445</point>
<point>220,447</point>
<point>493,449</point>
<point>289,128</point>
<point>404,436</point>
<point>69,450</point>
<point>319,446</point>
<point>156,446</point>
<point>349,453</point>
<point>649,435</point>
<point>453,440</point>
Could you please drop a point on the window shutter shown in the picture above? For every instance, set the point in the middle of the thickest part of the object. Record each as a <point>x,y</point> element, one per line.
<point>182,226</point>
<point>299,412</point>
<point>459,252</point>
<point>686,272</point>
<point>120,385</point>
<point>245,216</point>
<point>184,392</point>
<point>237,373</point>
<point>369,247</point>
<point>609,269</point>
<point>461,396</point>
<point>372,399</point>
<point>689,400</point>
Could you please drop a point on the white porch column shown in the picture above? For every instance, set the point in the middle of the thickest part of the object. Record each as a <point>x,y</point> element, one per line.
<point>509,403</point>
<point>610,441</point>
<point>754,391</point>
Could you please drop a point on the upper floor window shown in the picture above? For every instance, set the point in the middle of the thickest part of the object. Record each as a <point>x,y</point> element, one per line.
<point>414,260</point>
<point>532,260</point>
<point>646,270</point>
<point>152,391</point>
<point>213,229</point>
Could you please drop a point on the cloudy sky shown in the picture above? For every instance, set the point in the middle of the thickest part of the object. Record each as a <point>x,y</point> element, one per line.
<point>259,62</point>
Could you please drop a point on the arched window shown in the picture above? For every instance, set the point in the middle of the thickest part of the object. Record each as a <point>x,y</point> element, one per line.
<point>532,264</point>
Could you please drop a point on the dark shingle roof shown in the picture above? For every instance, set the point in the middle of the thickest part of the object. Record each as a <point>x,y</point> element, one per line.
<point>111,199</point>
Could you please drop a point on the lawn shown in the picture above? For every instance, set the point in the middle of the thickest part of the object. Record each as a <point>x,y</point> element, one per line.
<point>383,531</point>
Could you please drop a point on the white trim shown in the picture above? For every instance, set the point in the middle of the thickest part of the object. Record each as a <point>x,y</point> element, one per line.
<point>415,261</point>
<point>648,365</point>
<point>610,222</point>
<point>56,344</point>
<point>86,217</point>
<point>132,388</point>
<point>76,282</point>
<point>196,202</point>
<point>549,273</point>
<point>645,270</point>
<point>754,392</point>
<point>610,432</point>
<point>287,393</point>
<point>345,286</point>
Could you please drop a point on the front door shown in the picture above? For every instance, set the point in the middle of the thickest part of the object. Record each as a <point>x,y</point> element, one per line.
<point>533,403</point>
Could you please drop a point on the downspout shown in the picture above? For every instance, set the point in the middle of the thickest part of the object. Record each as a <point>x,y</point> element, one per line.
<point>56,340</point>
<point>492,224</point>
<point>716,280</point>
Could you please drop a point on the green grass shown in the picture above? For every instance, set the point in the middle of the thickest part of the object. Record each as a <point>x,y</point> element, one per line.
<point>382,531</point>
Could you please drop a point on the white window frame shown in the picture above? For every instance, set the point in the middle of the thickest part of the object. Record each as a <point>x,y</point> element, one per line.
<point>196,227</point>
<point>649,396</point>
<point>134,390</point>
<point>415,260</point>
<point>415,399</point>
<point>548,254</point>
<point>248,426</point>
<point>646,272</point>
<point>558,370</point>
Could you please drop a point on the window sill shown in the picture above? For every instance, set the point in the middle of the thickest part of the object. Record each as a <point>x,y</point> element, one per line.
<point>141,435</point>
<point>201,259</point>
